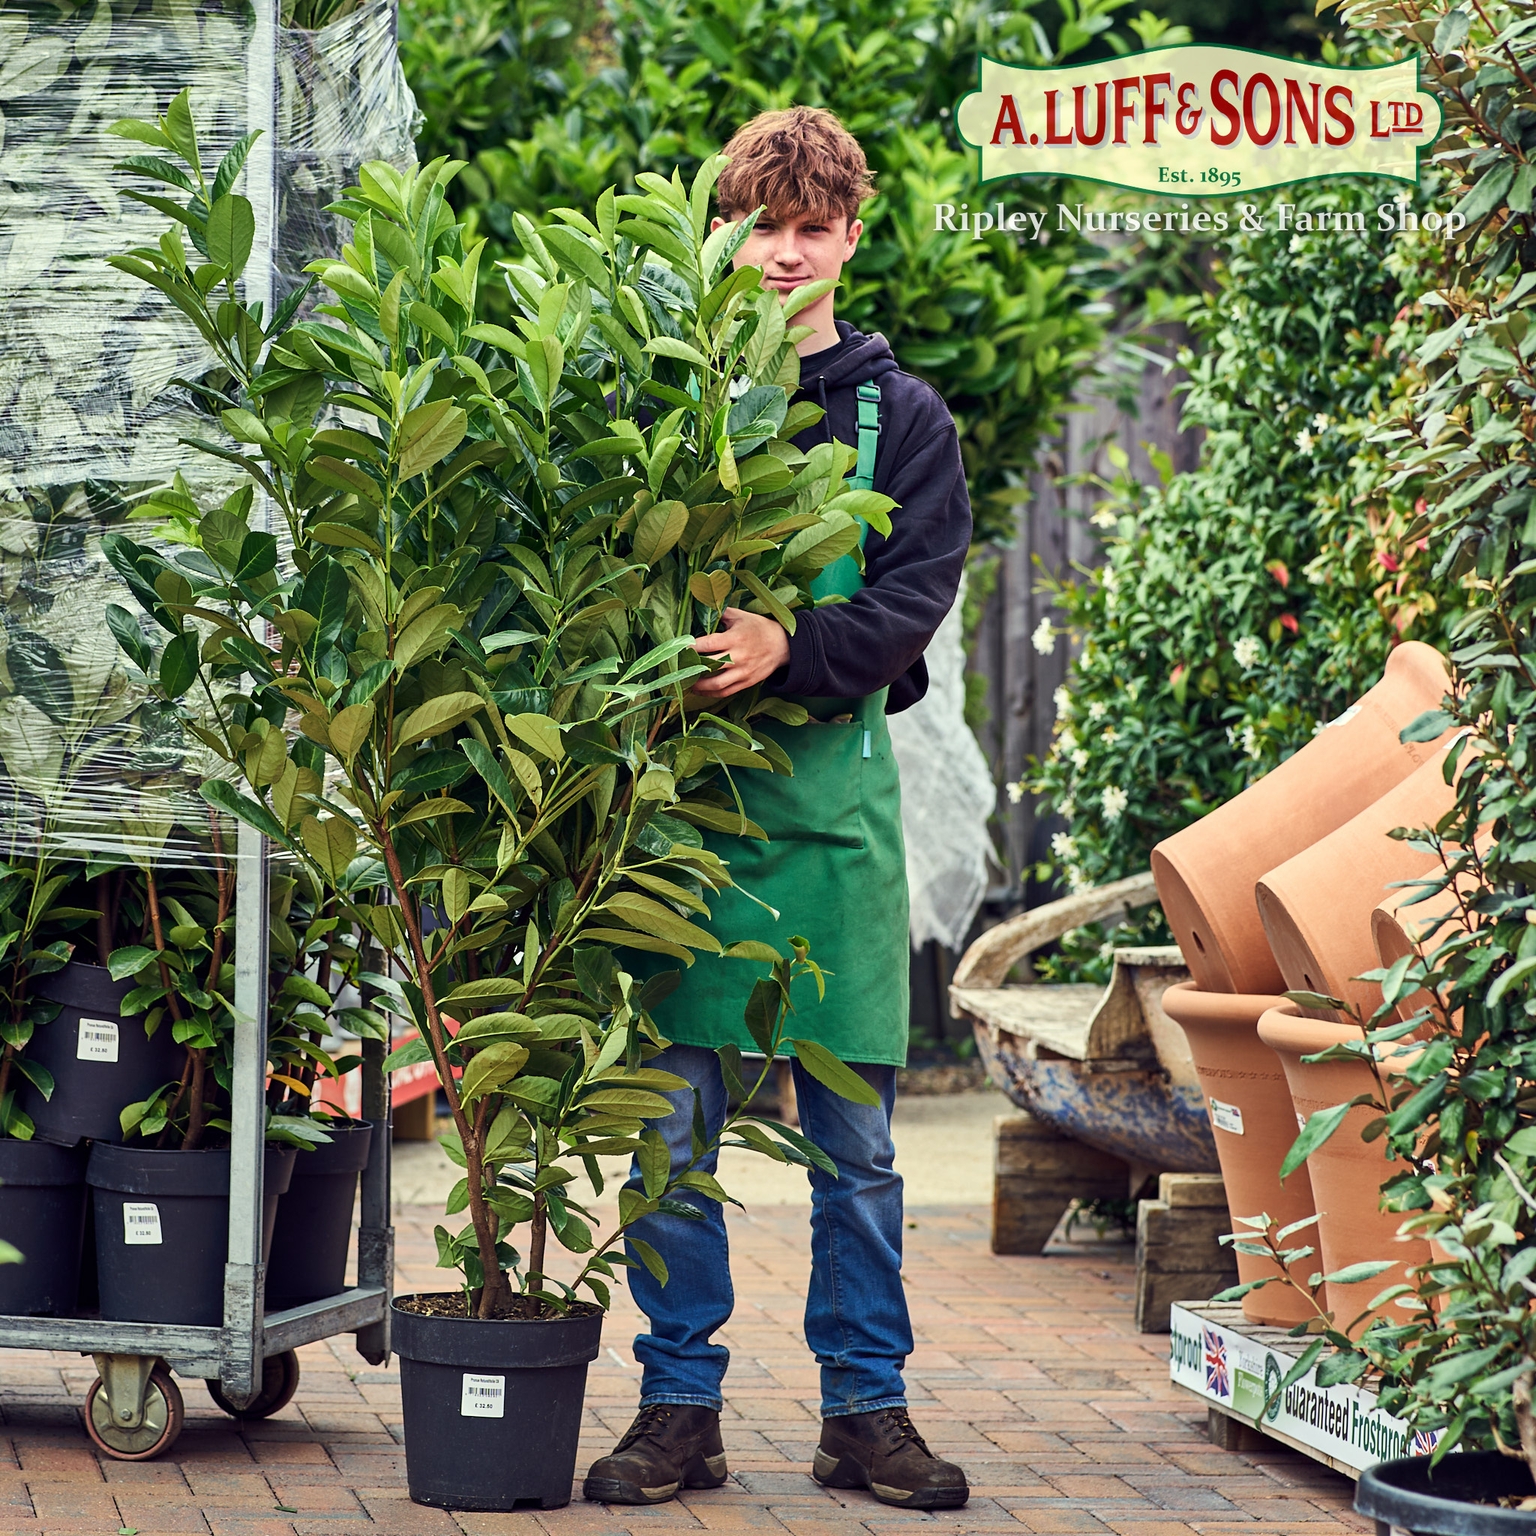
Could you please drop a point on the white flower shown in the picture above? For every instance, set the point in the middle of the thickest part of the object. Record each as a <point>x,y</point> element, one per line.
<point>1305,441</point>
<point>1076,879</point>
<point>1080,759</point>
<point>1044,637</point>
<point>1098,709</point>
<point>1063,701</point>
<point>1251,741</point>
<point>1322,422</point>
<point>1064,846</point>
<point>1015,791</point>
<point>1247,651</point>
<point>1107,950</point>
<point>1297,244</point>
<point>1109,736</point>
<point>1105,517</point>
<point>1066,743</point>
<point>1068,808</point>
<point>1115,802</point>
<point>1109,578</point>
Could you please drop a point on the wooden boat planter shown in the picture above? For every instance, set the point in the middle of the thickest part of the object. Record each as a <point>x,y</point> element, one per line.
<point>1104,1065</point>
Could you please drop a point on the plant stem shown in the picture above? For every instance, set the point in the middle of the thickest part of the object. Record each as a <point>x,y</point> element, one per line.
<point>484,1219</point>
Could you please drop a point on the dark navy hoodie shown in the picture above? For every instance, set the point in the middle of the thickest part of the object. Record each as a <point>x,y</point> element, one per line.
<point>877,639</point>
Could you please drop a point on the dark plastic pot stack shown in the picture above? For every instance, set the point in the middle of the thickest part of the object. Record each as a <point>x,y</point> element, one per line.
<point>308,1259</point>
<point>42,1211</point>
<point>162,1230</point>
<point>492,1408</point>
<point>99,1066</point>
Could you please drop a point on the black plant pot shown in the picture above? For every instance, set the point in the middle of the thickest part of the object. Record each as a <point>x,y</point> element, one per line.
<point>162,1230</point>
<point>1442,1502</point>
<point>308,1259</point>
<point>492,1409</point>
<point>101,1062</point>
<point>42,1211</point>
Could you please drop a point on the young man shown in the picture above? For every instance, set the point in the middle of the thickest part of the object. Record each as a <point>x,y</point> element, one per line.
<point>833,867</point>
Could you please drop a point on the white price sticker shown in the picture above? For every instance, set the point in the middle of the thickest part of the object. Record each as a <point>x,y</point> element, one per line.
<point>97,1040</point>
<point>141,1225</point>
<point>483,1397</point>
<point>1227,1117</point>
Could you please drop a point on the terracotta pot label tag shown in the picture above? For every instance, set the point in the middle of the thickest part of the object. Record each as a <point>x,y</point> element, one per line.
<point>1227,1117</point>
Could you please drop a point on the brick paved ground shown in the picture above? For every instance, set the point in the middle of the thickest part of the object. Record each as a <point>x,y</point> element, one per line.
<point>1027,1371</point>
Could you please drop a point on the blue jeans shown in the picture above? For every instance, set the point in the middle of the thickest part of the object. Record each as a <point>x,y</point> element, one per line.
<point>856,1319</point>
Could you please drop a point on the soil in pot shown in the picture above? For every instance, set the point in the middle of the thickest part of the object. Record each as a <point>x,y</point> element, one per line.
<point>1347,1173</point>
<point>1317,906</point>
<point>492,1407</point>
<point>100,1061</point>
<point>1468,1494</point>
<point>162,1230</point>
<point>1254,1125</point>
<point>308,1256</point>
<point>42,1211</point>
<point>1206,873</point>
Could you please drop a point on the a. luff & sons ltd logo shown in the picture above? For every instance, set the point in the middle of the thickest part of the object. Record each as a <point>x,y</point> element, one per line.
<point>1196,121</point>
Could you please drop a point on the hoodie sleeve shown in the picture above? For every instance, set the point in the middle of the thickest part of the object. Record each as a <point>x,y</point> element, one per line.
<point>877,638</point>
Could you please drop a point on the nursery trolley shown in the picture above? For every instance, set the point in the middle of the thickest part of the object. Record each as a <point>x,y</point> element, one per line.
<point>134,1410</point>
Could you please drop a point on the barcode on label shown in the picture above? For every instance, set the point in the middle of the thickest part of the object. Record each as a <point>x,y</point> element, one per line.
<point>141,1225</point>
<point>97,1040</point>
<point>1227,1117</point>
<point>483,1397</point>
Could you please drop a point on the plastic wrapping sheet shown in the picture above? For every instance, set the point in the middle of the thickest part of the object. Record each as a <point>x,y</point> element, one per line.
<point>947,796</point>
<point>89,416</point>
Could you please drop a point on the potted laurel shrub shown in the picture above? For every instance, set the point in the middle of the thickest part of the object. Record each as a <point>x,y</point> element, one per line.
<point>503,541</point>
<point>42,1184</point>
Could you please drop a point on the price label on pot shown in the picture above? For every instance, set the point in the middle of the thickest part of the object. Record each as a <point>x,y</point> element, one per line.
<point>97,1040</point>
<point>484,1397</point>
<point>141,1225</point>
<point>1227,1117</point>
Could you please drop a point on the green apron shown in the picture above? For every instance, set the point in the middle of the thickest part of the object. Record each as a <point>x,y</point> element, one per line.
<point>834,867</point>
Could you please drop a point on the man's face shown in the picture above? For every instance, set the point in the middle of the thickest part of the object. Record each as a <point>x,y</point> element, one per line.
<point>793,251</point>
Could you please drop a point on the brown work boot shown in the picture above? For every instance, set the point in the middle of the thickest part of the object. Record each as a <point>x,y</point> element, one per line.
<point>883,1452</point>
<point>669,1446</point>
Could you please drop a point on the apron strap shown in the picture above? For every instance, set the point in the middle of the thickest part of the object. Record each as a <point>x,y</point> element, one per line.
<point>863,476</point>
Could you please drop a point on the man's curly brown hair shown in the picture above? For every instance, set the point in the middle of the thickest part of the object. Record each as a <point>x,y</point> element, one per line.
<point>798,163</point>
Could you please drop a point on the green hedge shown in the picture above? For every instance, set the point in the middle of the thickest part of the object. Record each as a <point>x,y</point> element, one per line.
<point>1246,602</point>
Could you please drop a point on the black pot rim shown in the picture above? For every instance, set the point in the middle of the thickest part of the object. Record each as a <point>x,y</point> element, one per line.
<point>80,984</point>
<point>202,1172</point>
<point>1404,1493</point>
<point>495,1343</point>
<point>40,1164</point>
<point>345,1154</point>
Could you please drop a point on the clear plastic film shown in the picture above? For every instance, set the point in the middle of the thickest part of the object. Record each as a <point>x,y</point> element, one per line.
<point>90,418</point>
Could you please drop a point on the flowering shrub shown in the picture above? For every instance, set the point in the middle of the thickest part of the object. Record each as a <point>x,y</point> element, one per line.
<point>1248,601</point>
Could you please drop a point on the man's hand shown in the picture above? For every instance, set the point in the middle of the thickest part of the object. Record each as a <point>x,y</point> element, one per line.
<point>754,647</point>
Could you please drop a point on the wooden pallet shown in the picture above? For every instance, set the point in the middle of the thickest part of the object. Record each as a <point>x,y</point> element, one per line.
<point>1234,1366</point>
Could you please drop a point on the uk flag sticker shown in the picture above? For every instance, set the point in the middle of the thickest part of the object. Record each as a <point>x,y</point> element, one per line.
<point>1218,1379</point>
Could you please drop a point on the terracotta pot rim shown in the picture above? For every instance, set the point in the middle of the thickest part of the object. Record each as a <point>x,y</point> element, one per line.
<point>1186,1003</point>
<point>1286,1029</point>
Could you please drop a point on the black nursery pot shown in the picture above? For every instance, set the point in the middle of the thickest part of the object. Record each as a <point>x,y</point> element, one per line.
<point>162,1230</point>
<point>492,1408</point>
<point>308,1258</point>
<point>42,1211</point>
<point>101,1062</point>
<point>1441,1502</point>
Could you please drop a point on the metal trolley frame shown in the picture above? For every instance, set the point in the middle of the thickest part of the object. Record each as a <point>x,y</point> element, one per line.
<point>234,1356</point>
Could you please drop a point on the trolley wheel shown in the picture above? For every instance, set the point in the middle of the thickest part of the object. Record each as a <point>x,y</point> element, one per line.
<point>279,1381</point>
<point>157,1432</point>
